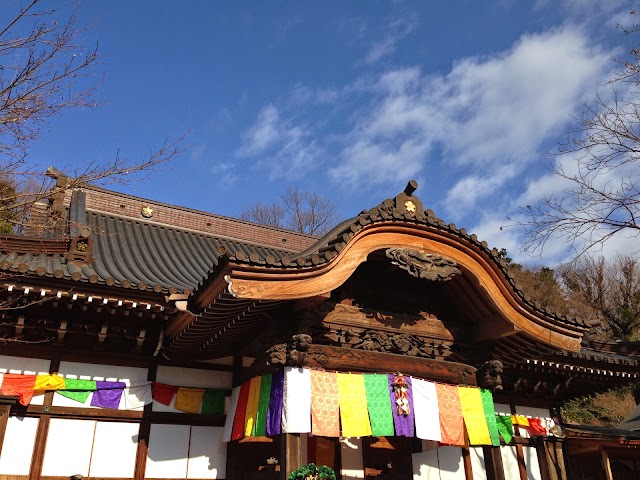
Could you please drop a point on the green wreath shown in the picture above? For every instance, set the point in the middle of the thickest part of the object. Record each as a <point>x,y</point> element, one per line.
<point>311,471</point>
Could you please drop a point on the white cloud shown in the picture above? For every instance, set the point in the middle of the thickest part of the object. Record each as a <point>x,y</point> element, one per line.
<point>486,113</point>
<point>263,134</point>
<point>285,149</point>
<point>397,30</point>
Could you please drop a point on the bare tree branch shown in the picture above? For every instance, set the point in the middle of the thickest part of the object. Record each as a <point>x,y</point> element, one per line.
<point>296,210</point>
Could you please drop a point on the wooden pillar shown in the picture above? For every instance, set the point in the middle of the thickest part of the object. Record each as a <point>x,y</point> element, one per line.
<point>4,419</point>
<point>606,465</point>
<point>40,443</point>
<point>466,459</point>
<point>144,430</point>
<point>551,459</point>
<point>290,453</point>
<point>493,463</point>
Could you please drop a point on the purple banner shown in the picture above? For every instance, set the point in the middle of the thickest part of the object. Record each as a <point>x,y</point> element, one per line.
<point>274,414</point>
<point>107,394</point>
<point>404,424</point>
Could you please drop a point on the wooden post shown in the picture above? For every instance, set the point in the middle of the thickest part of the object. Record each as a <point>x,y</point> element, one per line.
<point>38,448</point>
<point>4,419</point>
<point>606,465</point>
<point>290,453</point>
<point>43,426</point>
<point>551,459</point>
<point>493,463</point>
<point>144,431</point>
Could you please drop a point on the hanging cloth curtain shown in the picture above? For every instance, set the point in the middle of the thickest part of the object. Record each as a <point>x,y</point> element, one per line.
<point>189,399</point>
<point>49,382</point>
<point>296,407</point>
<point>228,421</point>
<point>505,427</point>
<point>325,410</point>
<point>213,402</point>
<point>20,386</point>
<point>450,410</point>
<point>353,405</point>
<point>163,393</point>
<point>379,404</point>
<point>108,394</point>
<point>473,413</point>
<point>260,429</point>
<point>520,420</point>
<point>490,416</point>
<point>138,396</point>
<point>274,413</point>
<point>252,406</point>
<point>401,396</point>
<point>536,428</point>
<point>425,405</point>
<point>78,390</point>
<point>241,411</point>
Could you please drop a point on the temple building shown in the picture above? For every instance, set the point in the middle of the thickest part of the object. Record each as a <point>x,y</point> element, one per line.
<point>146,340</point>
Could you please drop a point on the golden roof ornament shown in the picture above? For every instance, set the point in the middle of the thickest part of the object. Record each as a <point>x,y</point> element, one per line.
<point>147,211</point>
<point>407,201</point>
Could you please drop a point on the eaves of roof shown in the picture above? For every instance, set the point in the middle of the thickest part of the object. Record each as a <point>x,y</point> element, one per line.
<point>330,246</point>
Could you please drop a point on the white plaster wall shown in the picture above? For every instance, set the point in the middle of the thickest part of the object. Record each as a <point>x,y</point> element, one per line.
<point>25,366</point>
<point>68,448</point>
<point>92,371</point>
<point>510,462</point>
<point>17,448</point>
<point>451,463</point>
<point>168,451</point>
<point>477,463</point>
<point>207,453</point>
<point>425,465</point>
<point>352,463</point>
<point>531,462</point>
<point>190,377</point>
<point>114,449</point>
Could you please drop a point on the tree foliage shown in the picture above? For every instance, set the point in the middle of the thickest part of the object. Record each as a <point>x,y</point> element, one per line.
<point>44,71</point>
<point>599,168</point>
<point>296,210</point>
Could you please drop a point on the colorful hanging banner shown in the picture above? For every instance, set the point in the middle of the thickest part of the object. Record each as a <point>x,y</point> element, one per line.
<point>296,404</point>
<point>520,420</point>
<point>231,414</point>
<point>404,423</point>
<point>163,393</point>
<point>137,397</point>
<point>107,394</point>
<point>536,428</point>
<point>274,414</point>
<point>78,390</point>
<point>379,404</point>
<point>505,427</point>
<point>241,411</point>
<point>260,429</point>
<point>19,385</point>
<point>490,416</point>
<point>450,409</point>
<point>427,415</point>
<point>473,413</point>
<point>49,382</point>
<point>189,399</point>
<point>252,406</point>
<point>353,405</point>
<point>213,402</point>
<point>325,409</point>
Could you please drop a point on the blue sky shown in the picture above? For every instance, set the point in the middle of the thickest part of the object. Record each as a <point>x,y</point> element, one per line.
<point>347,99</point>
